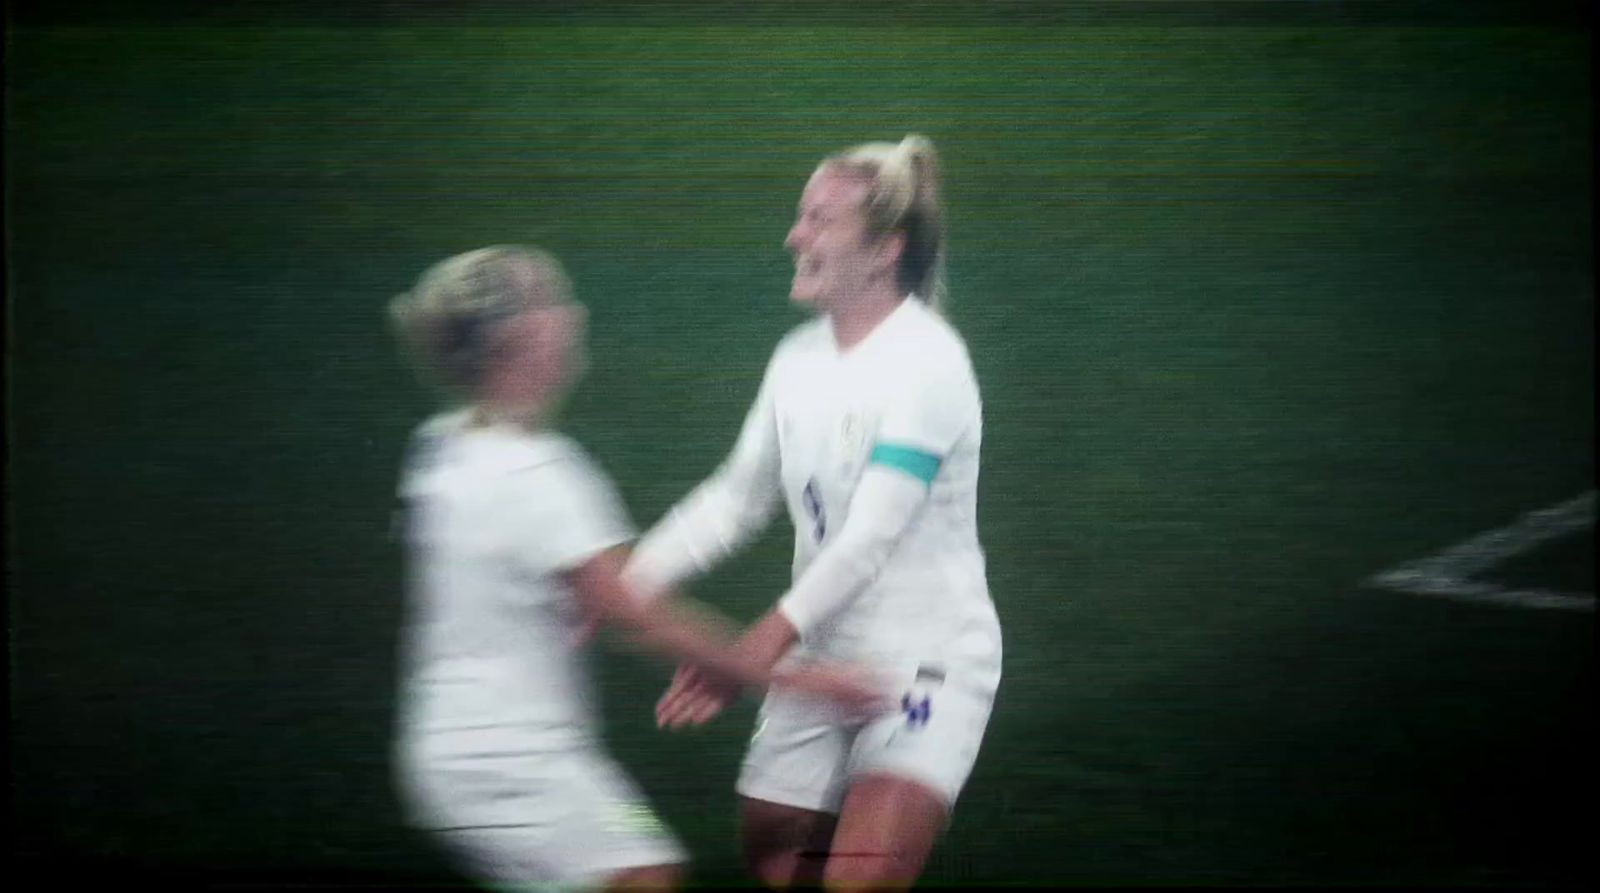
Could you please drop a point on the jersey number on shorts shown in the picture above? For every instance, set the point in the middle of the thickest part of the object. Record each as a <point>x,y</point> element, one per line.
<point>812,497</point>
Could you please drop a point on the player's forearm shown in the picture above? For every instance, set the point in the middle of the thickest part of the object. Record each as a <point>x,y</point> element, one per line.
<point>676,629</point>
<point>706,527</point>
<point>768,640</point>
<point>831,582</point>
<point>884,504</point>
<point>668,626</point>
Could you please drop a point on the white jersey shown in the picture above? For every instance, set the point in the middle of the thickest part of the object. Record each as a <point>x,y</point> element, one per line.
<point>491,661</point>
<point>904,397</point>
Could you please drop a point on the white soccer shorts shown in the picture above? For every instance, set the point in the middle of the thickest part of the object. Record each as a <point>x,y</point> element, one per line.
<point>564,820</point>
<point>802,755</point>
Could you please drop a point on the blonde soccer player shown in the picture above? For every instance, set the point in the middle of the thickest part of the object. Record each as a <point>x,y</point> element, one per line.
<point>867,426</point>
<point>516,540</point>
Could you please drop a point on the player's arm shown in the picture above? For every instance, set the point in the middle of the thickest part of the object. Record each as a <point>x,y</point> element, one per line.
<point>719,515</point>
<point>670,626</point>
<point>564,515</point>
<point>885,502</point>
<point>677,628</point>
<point>884,505</point>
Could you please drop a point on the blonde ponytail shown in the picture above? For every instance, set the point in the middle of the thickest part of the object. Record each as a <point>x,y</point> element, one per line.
<point>905,199</point>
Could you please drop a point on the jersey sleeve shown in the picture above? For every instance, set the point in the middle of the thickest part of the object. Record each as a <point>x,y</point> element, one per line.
<point>883,506</point>
<point>562,513</point>
<point>914,438</point>
<point>723,512</point>
<point>919,429</point>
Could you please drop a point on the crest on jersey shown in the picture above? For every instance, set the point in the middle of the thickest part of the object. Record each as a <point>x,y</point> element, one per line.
<point>855,431</point>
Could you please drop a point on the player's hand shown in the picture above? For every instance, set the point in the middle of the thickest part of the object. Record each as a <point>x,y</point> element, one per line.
<point>693,698</point>
<point>857,692</point>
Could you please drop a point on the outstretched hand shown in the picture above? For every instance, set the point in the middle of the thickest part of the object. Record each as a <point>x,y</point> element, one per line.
<point>693,698</point>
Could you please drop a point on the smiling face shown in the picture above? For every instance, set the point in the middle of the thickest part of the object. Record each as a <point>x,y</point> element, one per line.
<point>834,256</point>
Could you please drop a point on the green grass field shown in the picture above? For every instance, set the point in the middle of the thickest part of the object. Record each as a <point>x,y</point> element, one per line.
<point>1258,310</point>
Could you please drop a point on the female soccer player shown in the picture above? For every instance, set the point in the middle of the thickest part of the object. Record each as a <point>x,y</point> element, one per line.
<point>868,423</point>
<point>514,545</point>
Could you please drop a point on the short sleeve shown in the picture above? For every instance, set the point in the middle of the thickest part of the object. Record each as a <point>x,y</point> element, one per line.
<point>563,512</point>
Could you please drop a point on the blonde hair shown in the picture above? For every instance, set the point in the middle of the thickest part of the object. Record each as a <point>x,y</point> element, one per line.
<point>448,320</point>
<point>904,198</point>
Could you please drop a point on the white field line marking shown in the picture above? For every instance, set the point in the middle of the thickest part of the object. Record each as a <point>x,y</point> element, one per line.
<point>1448,572</point>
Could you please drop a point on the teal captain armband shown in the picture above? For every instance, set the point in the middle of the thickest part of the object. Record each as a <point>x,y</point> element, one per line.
<point>920,465</point>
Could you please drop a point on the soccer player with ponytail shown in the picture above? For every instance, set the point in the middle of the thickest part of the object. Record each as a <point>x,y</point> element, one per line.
<point>868,425</point>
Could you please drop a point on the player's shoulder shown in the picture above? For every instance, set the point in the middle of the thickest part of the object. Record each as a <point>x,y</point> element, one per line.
<point>564,474</point>
<point>429,440</point>
<point>500,449</point>
<point>545,467</point>
<point>929,342</point>
<point>441,425</point>
<point>449,454</point>
<point>547,451</point>
<point>930,327</point>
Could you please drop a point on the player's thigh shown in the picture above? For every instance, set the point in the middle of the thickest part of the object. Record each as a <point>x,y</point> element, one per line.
<point>906,772</point>
<point>790,786</point>
<point>886,830</point>
<point>784,846</point>
<point>764,824</point>
<point>646,878</point>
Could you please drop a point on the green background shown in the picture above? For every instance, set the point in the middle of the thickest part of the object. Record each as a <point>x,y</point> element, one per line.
<point>1263,298</point>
